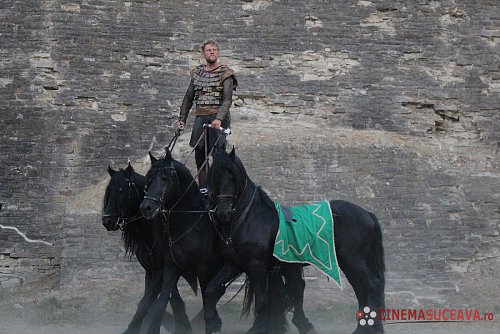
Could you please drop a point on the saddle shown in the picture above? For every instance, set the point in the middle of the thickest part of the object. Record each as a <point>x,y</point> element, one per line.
<point>288,214</point>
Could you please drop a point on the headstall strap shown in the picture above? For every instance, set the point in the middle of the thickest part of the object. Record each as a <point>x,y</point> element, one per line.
<point>214,221</point>
<point>233,211</point>
<point>166,219</point>
<point>235,226</point>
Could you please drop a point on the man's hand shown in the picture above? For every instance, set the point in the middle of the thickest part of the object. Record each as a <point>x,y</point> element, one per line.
<point>179,126</point>
<point>216,124</point>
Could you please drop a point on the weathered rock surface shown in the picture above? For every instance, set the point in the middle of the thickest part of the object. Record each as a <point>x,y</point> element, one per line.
<point>391,105</point>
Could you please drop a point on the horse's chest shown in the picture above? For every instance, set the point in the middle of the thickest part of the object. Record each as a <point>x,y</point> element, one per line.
<point>149,260</point>
<point>238,253</point>
<point>230,253</point>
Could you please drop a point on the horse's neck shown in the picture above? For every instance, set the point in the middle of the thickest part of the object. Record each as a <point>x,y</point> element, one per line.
<point>186,212</point>
<point>140,182</point>
<point>253,197</point>
<point>249,191</point>
<point>191,199</point>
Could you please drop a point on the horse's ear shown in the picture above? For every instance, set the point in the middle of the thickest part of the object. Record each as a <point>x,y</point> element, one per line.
<point>151,156</point>
<point>232,155</point>
<point>129,168</point>
<point>111,171</point>
<point>168,156</point>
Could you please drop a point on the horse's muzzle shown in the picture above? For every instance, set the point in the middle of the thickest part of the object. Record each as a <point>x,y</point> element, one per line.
<point>149,209</point>
<point>110,223</point>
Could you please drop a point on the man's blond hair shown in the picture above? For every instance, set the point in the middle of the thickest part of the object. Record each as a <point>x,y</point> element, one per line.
<point>209,41</point>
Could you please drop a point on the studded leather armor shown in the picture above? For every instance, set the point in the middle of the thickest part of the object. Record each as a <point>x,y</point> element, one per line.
<point>208,88</point>
<point>209,91</point>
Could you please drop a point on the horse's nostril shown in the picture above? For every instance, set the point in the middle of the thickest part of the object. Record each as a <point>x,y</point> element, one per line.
<point>145,209</point>
<point>108,224</point>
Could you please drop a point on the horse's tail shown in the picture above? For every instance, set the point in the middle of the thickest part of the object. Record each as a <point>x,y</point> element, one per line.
<point>377,265</point>
<point>248,299</point>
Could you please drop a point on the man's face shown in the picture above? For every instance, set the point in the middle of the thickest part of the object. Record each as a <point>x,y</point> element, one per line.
<point>211,53</point>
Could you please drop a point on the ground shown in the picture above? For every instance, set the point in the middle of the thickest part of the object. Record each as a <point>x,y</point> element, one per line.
<point>107,310</point>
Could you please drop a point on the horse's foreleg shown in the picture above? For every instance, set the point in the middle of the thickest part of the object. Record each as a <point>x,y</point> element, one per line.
<point>213,292</point>
<point>182,325</point>
<point>152,288</point>
<point>168,285</point>
<point>168,319</point>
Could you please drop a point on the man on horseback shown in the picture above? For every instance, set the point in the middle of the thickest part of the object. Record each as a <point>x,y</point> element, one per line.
<point>211,88</point>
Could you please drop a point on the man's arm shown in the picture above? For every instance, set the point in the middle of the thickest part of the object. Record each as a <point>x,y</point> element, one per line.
<point>227,98</point>
<point>187,103</point>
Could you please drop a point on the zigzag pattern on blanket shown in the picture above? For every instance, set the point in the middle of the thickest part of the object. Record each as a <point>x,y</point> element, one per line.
<point>306,235</point>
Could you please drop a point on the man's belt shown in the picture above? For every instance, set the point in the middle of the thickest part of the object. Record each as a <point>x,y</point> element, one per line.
<point>204,111</point>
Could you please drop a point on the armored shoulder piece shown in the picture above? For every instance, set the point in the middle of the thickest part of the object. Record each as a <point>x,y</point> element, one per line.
<point>208,85</point>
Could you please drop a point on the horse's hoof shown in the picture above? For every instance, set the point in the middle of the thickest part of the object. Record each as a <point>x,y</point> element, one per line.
<point>183,331</point>
<point>306,328</point>
<point>365,330</point>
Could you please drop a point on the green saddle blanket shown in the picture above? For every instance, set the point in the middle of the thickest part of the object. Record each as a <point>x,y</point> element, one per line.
<point>308,238</point>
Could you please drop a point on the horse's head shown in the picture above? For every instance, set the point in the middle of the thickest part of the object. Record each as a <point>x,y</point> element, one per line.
<point>226,181</point>
<point>122,197</point>
<point>161,187</point>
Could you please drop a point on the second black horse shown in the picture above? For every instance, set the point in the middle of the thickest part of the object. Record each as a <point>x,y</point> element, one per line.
<point>248,220</point>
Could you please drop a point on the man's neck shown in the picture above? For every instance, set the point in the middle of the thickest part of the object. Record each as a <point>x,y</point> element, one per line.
<point>211,66</point>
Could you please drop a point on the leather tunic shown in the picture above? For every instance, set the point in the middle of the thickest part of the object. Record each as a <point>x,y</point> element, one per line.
<point>208,88</point>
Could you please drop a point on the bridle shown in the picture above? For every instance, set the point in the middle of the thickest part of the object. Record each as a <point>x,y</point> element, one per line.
<point>173,171</point>
<point>237,198</point>
<point>172,177</point>
<point>166,213</point>
<point>236,195</point>
<point>123,222</point>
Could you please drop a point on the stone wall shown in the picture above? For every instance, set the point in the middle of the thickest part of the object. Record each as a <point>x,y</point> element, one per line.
<point>390,104</point>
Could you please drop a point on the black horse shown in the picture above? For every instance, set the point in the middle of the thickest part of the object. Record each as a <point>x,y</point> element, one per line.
<point>183,232</point>
<point>248,219</point>
<point>190,243</point>
<point>122,198</point>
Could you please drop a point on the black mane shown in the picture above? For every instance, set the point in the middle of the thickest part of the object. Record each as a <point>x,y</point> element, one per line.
<point>139,233</point>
